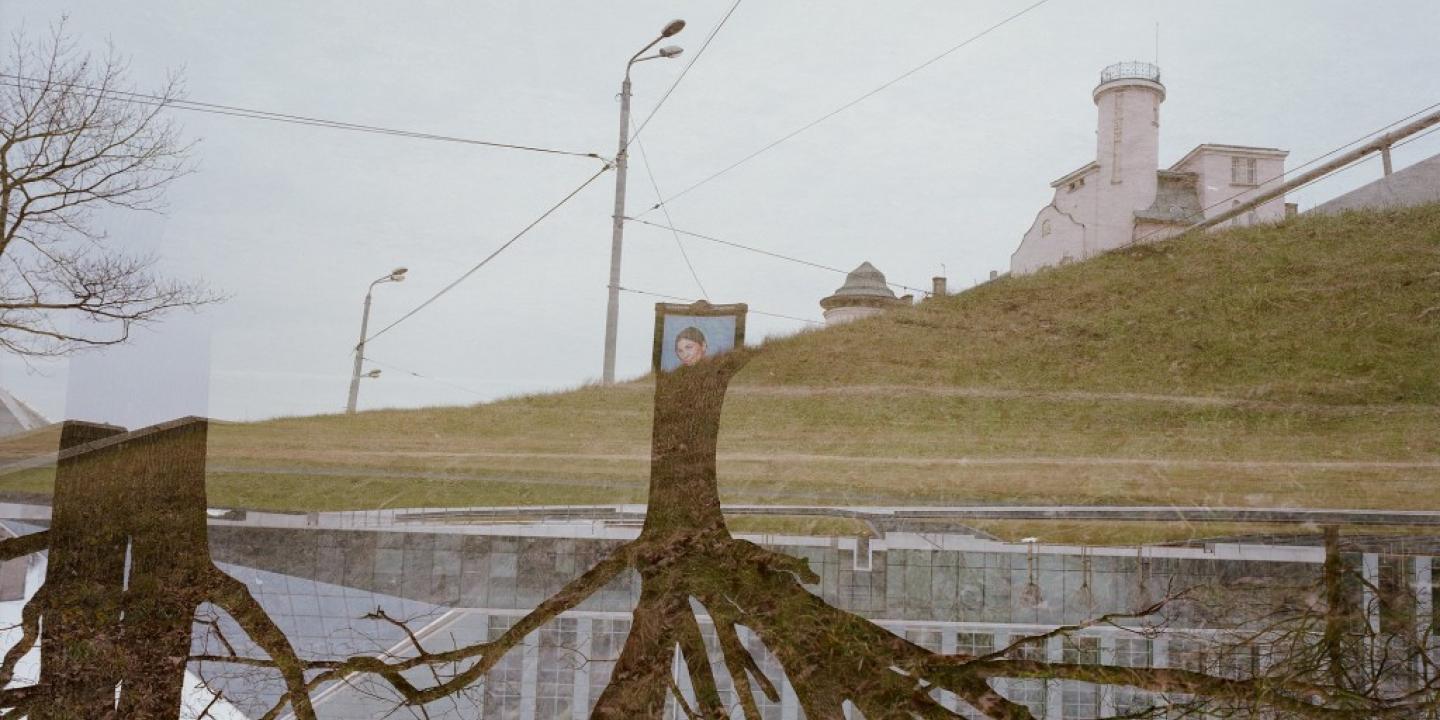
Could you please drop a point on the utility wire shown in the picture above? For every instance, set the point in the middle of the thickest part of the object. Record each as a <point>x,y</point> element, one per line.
<point>848,105</point>
<point>29,83</point>
<point>645,159</point>
<point>636,135</point>
<point>1307,163</point>
<point>503,247</point>
<point>677,298</point>
<point>425,377</point>
<point>776,255</point>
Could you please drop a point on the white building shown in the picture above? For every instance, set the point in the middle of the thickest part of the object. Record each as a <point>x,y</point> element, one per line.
<point>1123,196</point>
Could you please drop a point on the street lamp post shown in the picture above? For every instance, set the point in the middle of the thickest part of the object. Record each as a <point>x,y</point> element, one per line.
<point>396,275</point>
<point>617,233</point>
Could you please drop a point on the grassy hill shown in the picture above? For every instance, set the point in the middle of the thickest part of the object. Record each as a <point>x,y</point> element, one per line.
<point>1296,364</point>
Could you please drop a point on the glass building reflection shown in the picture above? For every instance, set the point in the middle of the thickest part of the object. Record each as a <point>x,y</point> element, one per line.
<point>342,584</point>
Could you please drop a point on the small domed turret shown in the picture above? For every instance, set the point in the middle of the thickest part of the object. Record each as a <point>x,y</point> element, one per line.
<point>864,293</point>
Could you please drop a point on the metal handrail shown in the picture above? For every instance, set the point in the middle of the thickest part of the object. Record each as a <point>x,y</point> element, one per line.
<point>1135,70</point>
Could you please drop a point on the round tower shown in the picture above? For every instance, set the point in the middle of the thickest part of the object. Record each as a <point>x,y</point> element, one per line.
<point>1127,147</point>
<point>864,293</point>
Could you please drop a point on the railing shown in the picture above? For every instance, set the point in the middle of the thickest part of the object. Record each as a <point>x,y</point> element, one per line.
<point>1131,71</point>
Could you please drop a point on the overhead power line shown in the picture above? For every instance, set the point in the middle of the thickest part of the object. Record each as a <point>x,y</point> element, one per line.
<point>634,138</point>
<point>503,247</point>
<point>778,256</point>
<point>884,86</point>
<point>677,298</point>
<point>425,377</point>
<point>645,159</point>
<point>20,81</point>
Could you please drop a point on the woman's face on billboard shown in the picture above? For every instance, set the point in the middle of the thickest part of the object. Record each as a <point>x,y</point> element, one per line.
<point>689,351</point>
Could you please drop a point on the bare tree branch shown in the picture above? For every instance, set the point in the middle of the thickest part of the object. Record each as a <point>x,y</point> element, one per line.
<point>69,146</point>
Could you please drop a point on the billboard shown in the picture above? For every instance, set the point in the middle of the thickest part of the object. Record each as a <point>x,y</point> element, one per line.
<point>687,334</point>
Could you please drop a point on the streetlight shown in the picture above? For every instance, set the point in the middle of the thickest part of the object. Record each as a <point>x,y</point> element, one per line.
<point>612,310</point>
<point>396,275</point>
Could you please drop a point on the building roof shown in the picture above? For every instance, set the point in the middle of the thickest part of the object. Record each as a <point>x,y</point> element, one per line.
<point>865,281</point>
<point>1220,147</point>
<point>865,285</point>
<point>17,417</point>
<point>1086,169</point>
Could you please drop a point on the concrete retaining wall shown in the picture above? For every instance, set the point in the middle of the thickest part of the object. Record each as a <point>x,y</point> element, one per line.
<point>1418,184</point>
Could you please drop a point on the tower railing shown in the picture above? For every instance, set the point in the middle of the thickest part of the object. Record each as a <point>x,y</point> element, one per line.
<point>1131,71</point>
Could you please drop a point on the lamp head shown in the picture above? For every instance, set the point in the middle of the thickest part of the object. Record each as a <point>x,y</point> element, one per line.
<point>674,27</point>
<point>398,274</point>
<point>373,373</point>
<point>670,51</point>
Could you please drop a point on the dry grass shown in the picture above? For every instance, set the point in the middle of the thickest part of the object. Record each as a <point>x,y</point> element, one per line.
<point>1291,365</point>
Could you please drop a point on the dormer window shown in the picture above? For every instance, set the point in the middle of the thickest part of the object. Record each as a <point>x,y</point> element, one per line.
<point>1242,171</point>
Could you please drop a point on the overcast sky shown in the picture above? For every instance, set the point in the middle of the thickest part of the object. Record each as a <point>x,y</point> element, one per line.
<point>944,169</point>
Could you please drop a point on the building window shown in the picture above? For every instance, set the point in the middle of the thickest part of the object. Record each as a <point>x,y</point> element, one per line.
<point>976,644</point>
<point>559,660</point>
<point>1044,228</point>
<point>1030,693</point>
<point>1133,652</point>
<point>1242,171</point>
<point>607,639</point>
<point>1396,598</point>
<point>501,692</point>
<point>1080,650</point>
<point>1080,701</point>
<point>1137,703</point>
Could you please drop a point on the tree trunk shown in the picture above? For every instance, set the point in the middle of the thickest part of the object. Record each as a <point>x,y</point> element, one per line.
<point>80,657</point>
<point>169,559</point>
<point>683,493</point>
<point>143,492</point>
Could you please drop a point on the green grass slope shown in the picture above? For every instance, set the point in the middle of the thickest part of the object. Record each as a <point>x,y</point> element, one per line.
<point>1296,364</point>
<point>1325,309</point>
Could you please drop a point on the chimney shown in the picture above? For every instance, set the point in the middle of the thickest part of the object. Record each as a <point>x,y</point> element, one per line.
<point>938,286</point>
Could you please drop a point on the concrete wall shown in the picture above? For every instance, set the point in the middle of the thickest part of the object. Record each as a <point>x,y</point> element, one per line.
<point>1418,184</point>
<point>1076,197</point>
<point>902,576</point>
<point>842,315</point>
<point>1054,238</point>
<point>1148,232</point>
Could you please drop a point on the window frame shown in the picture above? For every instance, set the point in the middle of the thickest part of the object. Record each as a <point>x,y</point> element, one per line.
<point>1244,170</point>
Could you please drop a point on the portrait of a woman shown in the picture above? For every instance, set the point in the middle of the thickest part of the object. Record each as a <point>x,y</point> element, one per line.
<point>690,346</point>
